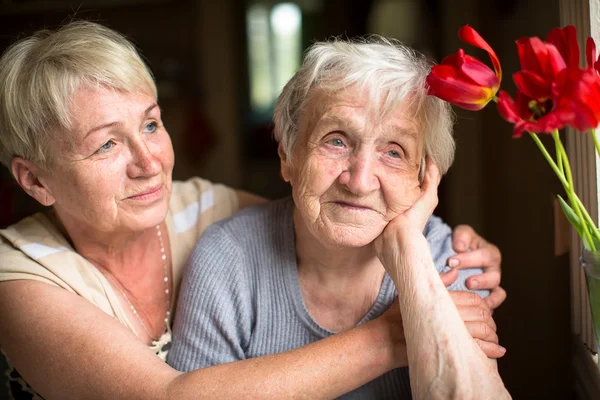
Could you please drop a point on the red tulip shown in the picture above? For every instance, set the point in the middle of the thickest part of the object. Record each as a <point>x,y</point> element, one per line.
<point>579,90</point>
<point>529,115</point>
<point>463,80</point>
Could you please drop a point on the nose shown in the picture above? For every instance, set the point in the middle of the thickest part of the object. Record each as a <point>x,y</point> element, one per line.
<point>361,178</point>
<point>143,162</point>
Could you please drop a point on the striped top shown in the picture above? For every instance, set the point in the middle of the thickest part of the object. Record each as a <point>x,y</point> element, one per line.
<point>35,249</point>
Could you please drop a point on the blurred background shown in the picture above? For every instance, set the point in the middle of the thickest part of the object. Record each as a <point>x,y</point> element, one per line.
<point>219,66</point>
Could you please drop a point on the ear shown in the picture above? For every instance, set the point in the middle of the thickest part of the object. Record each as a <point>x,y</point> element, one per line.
<point>26,174</point>
<point>286,171</point>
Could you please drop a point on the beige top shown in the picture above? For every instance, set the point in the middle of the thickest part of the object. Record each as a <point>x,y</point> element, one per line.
<point>35,249</point>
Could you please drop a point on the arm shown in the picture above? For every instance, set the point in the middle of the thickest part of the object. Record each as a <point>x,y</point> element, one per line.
<point>65,347</point>
<point>444,360</point>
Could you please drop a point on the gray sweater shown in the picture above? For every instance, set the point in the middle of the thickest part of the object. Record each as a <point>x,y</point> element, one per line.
<point>241,298</point>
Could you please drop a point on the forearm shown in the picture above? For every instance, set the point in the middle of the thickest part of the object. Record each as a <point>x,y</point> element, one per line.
<point>325,369</point>
<point>444,360</point>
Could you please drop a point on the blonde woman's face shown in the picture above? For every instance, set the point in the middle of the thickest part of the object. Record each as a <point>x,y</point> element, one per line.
<point>353,172</point>
<point>114,174</point>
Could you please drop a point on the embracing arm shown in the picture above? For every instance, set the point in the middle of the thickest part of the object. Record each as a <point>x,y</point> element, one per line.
<point>65,347</point>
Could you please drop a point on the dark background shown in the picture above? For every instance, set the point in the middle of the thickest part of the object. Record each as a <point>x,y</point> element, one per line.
<point>501,186</point>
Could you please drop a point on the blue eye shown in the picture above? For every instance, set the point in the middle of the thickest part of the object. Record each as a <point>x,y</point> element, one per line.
<point>151,127</point>
<point>393,154</point>
<point>336,142</point>
<point>106,146</point>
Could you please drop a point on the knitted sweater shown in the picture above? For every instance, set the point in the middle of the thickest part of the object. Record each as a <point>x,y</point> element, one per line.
<point>241,296</point>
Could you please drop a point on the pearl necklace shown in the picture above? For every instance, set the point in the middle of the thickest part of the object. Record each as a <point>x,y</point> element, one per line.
<point>167,297</point>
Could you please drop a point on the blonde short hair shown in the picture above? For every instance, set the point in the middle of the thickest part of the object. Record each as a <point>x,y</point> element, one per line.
<point>40,74</point>
<point>389,73</point>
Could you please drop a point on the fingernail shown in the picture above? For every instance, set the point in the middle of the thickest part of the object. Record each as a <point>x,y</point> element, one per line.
<point>474,284</point>
<point>502,349</point>
<point>453,263</point>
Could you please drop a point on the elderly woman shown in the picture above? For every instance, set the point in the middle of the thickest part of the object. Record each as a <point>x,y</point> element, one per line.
<point>355,126</point>
<point>87,288</point>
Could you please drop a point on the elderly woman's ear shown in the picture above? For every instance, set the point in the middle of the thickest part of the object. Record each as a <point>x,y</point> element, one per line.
<point>27,176</point>
<point>286,172</point>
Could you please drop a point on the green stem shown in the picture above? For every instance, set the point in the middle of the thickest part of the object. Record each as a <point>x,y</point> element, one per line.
<point>570,190</point>
<point>548,158</point>
<point>588,218</point>
<point>559,159</point>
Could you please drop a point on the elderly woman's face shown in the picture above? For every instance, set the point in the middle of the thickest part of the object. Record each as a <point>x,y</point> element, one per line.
<point>115,174</point>
<point>353,172</point>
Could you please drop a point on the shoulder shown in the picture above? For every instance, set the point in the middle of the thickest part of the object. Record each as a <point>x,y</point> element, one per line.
<point>27,247</point>
<point>235,246</point>
<point>254,225</point>
<point>197,198</point>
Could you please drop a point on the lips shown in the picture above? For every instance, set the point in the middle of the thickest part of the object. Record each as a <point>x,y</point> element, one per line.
<point>352,205</point>
<point>148,194</point>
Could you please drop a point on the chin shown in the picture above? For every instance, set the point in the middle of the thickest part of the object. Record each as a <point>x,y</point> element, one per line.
<point>148,218</point>
<point>353,237</point>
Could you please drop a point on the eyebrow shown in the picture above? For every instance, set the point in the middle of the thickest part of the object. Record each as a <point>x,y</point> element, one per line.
<point>334,119</point>
<point>117,123</point>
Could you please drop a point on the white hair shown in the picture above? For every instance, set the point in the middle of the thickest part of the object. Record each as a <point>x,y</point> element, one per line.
<point>40,74</point>
<point>388,71</point>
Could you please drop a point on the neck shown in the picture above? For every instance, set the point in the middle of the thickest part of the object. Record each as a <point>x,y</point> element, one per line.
<point>339,285</point>
<point>115,252</point>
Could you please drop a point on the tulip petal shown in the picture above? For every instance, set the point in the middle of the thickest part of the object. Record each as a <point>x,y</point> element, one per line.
<point>532,54</point>
<point>448,84</point>
<point>470,36</point>
<point>565,40</point>
<point>478,72</point>
<point>556,63</point>
<point>542,58</point>
<point>579,91</point>
<point>590,52</point>
<point>507,108</point>
<point>532,85</point>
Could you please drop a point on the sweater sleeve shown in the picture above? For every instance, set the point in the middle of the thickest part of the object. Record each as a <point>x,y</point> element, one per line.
<point>214,314</point>
<point>439,237</point>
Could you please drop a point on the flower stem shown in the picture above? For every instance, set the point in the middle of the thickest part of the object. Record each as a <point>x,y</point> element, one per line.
<point>548,158</point>
<point>559,159</point>
<point>571,191</point>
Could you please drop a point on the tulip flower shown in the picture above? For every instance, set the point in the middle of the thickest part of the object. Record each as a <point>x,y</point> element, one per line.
<point>464,80</point>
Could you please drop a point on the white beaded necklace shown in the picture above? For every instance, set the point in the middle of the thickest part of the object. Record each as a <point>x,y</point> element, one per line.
<point>167,297</point>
